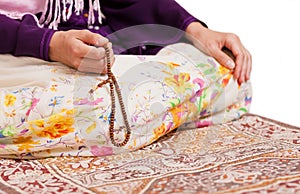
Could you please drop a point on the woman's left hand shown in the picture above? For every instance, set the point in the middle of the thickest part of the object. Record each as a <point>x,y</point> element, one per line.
<point>213,44</point>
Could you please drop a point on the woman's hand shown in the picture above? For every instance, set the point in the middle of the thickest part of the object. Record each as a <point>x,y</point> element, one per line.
<point>214,43</point>
<point>80,49</point>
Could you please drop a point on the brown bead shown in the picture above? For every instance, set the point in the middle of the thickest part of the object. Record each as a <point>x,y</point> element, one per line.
<point>114,86</point>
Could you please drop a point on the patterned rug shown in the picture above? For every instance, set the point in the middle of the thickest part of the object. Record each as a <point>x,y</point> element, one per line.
<point>251,155</point>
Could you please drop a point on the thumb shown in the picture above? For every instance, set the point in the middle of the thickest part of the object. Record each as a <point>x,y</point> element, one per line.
<point>224,59</point>
<point>92,38</point>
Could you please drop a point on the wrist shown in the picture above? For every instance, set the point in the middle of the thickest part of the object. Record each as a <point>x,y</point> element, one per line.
<point>55,39</point>
<point>194,31</point>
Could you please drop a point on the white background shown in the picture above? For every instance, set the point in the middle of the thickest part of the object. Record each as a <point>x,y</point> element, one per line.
<point>270,31</point>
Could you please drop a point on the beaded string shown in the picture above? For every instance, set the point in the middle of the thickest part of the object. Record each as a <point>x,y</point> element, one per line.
<point>114,86</point>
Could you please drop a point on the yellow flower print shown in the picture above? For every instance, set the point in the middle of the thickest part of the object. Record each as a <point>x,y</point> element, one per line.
<point>179,82</point>
<point>223,70</point>
<point>53,88</point>
<point>172,65</point>
<point>25,143</point>
<point>55,127</point>
<point>38,123</point>
<point>9,100</point>
<point>69,112</point>
<point>91,128</point>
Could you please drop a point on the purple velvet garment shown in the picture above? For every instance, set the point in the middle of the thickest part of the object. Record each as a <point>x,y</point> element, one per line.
<point>25,37</point>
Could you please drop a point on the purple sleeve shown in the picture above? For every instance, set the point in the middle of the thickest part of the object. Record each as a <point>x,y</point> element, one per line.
<point>24,38</point>
<point>124,13</point>
<point>137,23</point>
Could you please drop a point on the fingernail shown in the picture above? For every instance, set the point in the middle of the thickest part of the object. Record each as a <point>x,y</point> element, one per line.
<point>230,64</point>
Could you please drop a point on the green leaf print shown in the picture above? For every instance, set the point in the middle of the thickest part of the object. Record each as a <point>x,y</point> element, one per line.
<point>209,71</point>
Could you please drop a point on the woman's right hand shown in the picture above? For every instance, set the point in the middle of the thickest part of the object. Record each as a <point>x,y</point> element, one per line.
<point>80,49</point>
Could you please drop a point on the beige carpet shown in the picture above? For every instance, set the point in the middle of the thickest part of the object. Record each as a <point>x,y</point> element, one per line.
<point>250,155</point>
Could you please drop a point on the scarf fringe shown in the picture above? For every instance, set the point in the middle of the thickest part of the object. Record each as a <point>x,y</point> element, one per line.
<point>63,9</point>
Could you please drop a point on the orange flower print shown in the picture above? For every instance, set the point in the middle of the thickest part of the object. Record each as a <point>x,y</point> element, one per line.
<point>225,80</point>
<point>11,114</point>
<point>55,127</point>
<point>181,112</point>
<point>159,131</point>
<point>9,100</point>
<point>177,113</point>
<point>25,143</point>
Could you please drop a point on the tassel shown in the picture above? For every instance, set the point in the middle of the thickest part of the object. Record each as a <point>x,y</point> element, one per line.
<point>57,13</point>
<point>42,19</point>
<point>58,19</point>
<point>45,19</point>
<point>53,16</point>
<point>79,5</point>
<point>94,7</point>
<point>50,12</point>
<point>70,11</point>
<point>98,8</point>
<point>91,18</point>
<point>64,11</point>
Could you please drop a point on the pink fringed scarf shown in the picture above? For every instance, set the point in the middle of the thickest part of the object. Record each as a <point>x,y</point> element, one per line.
<point>57,10</point>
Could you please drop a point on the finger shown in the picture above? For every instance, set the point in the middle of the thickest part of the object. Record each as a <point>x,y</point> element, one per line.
<point>249,67</point>
<point>244,68</point>
<point>96,53</point>
<point>223,58</point>
<point>79,49</point>
<point>91,38</point>
<point>90,67</point>
<point>242,58</point>
<point>228,52</point>
<point>95,60</point>
<point>99,52</point>
<point>239,66</point>
<point>238,53</point>
<point>232,42</point>
<point>93,66</point>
